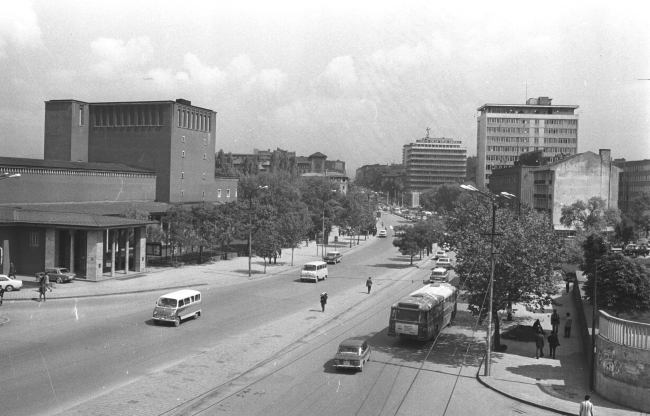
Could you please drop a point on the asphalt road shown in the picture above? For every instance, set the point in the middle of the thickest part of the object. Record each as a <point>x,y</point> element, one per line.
<point>63,352</point>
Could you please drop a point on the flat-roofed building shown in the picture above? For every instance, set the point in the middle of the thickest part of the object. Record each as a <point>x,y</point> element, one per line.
<point>633,180</point>
<point>505,131</point>
<point>433,161</point>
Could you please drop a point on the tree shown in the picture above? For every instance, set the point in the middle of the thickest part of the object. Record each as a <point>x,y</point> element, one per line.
<point>440,198</point>
<point>639,212</point>
<point>223,164</point>
<point>592,215</point>
<point>181,231</point>
<point>154,231</point>
<point>229,224</point>
<point>528,252</point>
<point>407,243</point>
<point>623,285</point>
<point>594,247</point>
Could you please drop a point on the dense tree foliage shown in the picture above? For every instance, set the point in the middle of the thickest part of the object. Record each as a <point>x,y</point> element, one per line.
<point>527,252</point>
<point>639,212</point>
<point>440,198</point>
<point>622,284</point>
<point>592,215</point>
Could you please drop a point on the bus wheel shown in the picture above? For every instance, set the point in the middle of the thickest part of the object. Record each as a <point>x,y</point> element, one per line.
<point>177,321</point>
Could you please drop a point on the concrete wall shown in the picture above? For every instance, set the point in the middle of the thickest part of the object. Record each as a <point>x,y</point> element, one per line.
<point>66,136</point>
<point>94,254</point>
<point>55,187</point>
<point>623,374</point>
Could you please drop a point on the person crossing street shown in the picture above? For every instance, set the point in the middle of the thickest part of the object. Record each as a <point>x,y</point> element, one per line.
<point>369,284</point>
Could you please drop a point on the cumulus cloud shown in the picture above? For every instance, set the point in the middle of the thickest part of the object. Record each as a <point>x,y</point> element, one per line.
<point>202,73</point>
<point>268,80</point>
<point>18,26</point>
<point>117,56</point>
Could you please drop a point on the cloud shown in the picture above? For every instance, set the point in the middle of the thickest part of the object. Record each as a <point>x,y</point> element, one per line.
<point>201,73</point>
<point>18,26</point>
<point>241,66</point>
<point>271,81</point>
<point>340,76</point>
<point>117,57</point>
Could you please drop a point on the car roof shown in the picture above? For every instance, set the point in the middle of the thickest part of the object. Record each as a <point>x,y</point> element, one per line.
<point>181,294</point>
<point>315,263</point>
<point>352,342</point>
<point>440,269</point>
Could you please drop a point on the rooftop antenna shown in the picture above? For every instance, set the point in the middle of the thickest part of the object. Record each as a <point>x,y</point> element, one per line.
<point>526,92</point>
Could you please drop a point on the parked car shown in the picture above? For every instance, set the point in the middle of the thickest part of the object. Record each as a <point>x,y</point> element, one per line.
<point>333,257</point>
<point>352,353</point>
<point>57,274</point>
<point>440,254</point>
<point>445,262</point>
<point>382,233</point>
<point>10,284</point>
<point>634,250</point>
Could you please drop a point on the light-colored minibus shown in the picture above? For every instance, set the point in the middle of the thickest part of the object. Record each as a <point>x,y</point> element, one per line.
<point>175,306</point>
<point>314,271</point>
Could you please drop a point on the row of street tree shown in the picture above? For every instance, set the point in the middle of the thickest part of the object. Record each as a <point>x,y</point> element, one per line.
<point>276,210</point>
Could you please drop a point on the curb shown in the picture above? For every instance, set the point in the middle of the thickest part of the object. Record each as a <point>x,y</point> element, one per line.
<point>510,396</point>
<point>113,293</point>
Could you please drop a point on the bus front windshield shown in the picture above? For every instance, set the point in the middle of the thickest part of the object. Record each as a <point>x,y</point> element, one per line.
<point>309,267</point>
<point>167,303</point>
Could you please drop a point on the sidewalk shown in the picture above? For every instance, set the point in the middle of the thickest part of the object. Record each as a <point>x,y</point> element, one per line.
<point>553,384</point>
<point>218,273</point>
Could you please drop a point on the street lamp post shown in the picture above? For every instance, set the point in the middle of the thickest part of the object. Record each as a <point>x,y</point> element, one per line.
<point>488,341</point>
<point>250,225</point>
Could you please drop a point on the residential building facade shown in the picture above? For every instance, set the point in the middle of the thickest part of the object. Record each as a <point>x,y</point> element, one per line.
<point>504,131</point>
<point>433,161</point>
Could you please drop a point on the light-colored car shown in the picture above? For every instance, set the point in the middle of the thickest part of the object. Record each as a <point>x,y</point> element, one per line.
<point>332,257</point>
<point>382,233</point>
<point>352,353</point>
<point>445,262</point>
<point>440,254</point>
<point>440,274</point>
<point>57,274</point>
<point>9,284</point>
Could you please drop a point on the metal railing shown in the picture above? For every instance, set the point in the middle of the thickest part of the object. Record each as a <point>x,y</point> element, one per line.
<point>628,333</point>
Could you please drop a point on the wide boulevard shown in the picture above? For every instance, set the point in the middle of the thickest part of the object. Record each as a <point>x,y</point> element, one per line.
<point>274,350</point>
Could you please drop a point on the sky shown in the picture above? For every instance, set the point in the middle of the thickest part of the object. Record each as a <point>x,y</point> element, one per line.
<point>355,80</point>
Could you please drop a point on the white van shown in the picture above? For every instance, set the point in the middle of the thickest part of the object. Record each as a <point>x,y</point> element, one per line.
<point>175,306</point>
<point>314,271</point>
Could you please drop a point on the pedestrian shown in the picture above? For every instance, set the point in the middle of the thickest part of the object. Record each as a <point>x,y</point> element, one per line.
<point>567,325</point>
<point>323,300</point>
<point>567,285</point>
<point>12,270</point>
<point>539,344</point>
<point>555,321</point>
<point>537,327</point>
<point>369,284</point>
<point>2,294</point>
<point>586,407</point>
<point>42,288</point>
<point>553,343</point>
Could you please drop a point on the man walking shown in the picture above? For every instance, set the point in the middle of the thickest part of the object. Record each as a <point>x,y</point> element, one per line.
<point>553,343</point>
<point>369,284</point>
<point>567,325</point>
<point>555,321</point>
<point>586,407</point>
<point>42,287</point>
<point>323,300</point>
<point>12,270</point>
<point>539,344</point>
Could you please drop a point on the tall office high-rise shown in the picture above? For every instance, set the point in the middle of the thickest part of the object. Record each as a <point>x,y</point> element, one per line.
<point>505,131</point>
<point>430,161</point>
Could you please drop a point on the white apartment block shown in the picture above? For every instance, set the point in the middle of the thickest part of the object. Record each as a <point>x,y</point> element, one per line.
<point>430,161</point>
<point>505,131</point>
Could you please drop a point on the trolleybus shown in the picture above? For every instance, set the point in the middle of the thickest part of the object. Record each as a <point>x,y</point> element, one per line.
<point>423,313</point>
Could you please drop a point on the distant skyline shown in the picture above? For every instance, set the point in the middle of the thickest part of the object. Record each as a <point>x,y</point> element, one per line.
<point>353,80</point>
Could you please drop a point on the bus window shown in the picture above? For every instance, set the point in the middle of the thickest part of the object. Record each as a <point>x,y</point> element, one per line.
<point>187,301</point>
<point>198,298</point>
<point>181,303</point>
<point>408,315</point>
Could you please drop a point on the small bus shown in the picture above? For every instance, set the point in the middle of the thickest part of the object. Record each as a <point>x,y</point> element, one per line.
<point>314,271</point>
<point>424,313</point>
<point>176,306</point>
